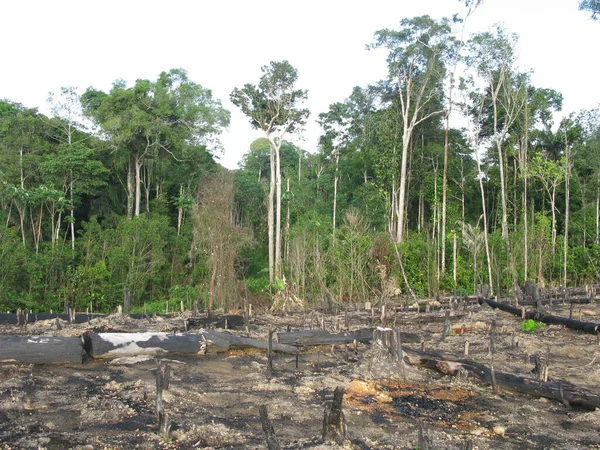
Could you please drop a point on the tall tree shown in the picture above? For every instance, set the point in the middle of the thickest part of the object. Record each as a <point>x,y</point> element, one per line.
<point>73,167</point>
<point>273,106</point>
<point>151,118</point>
<point>493,55</point>
<point>459,43</point>
<point>416,62</point>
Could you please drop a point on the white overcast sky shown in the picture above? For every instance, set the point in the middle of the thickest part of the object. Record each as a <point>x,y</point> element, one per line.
<point>46,44</point>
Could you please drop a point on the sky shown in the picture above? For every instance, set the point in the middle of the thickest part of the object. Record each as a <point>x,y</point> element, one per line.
<point>47,44</point>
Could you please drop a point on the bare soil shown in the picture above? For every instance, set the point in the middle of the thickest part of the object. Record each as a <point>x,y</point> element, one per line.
<point>213,400</point>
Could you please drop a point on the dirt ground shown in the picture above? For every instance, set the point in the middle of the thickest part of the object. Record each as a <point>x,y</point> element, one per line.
<point>213,400</point>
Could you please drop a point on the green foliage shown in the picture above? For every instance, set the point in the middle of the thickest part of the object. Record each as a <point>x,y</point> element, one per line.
<point>531,326</point>
<point>592,6</point>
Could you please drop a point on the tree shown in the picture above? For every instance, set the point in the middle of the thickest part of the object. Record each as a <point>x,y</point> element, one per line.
<point>150,118</point>
<point>416,64</point>
<point>551,174</point>
<point>274,107</point>
<point>471,7</point>
<point>493,56</point>
<point>217,237</point>
<point>334,123</point>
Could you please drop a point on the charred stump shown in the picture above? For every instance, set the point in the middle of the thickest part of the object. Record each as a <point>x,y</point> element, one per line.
<point>272,443</point>
<point>334,422</point>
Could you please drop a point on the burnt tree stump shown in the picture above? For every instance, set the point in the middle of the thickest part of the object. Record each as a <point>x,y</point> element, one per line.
<point>163,375</point>
<point>334,422</point>
<point>272,443</point>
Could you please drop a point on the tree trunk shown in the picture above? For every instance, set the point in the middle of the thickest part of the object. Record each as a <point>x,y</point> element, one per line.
<point>41,349</point>
<point>130,188</point>
<point>115,345</point>
<point>335,188</point>
<point>485,226</point>
<point>138,183</point>
<point>406,134</point>
<point>271,215</point>
<point>567,199</point>
<point>322,337</point>
<point>586,327</point>
<point>278,269</point>
<point>554,390</point>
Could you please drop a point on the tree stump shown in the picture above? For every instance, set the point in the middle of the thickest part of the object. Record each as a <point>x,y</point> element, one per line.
<point>272,443</point>
<point>334,422</point>
<point>388,340</point>
<point>163,375</point>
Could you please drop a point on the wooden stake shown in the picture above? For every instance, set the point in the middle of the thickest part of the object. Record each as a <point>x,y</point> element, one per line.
<point>466,349</point>
<point>492,348</point>
<point>270,355</point>
<point>493,376</point>
<point>571,311</point>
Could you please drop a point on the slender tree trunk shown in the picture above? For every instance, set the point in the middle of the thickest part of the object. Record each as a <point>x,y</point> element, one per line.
<point>485,224</point>
<point>524,155</point>
<point>278,268</point>
<point>287,224</point>
<point>335,187</point>
<point>72,213</point>
<point>406,133</point>
<point>130,188</point>
<point>180,212</point>
<point>138,183</point>
<point>445,186</point>
<point>271,216</point>
<point>598,211</point>
<point>567,208</point>
<point>502,191</point>
<point>553,206</point>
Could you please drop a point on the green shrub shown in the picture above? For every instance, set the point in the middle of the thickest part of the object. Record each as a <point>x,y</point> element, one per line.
<point>531,326</point>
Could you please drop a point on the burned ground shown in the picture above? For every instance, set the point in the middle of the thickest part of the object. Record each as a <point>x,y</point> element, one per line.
<point>213,400</point>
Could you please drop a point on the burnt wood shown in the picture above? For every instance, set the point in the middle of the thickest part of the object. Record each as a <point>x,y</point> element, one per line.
<point>41,349</point>
<point>559,390</point>
<point>586,327</point>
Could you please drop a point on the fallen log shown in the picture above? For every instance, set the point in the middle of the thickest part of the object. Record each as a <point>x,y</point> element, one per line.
<point>226,321</point>
<point>41,349</point>
<point>561,391</point>
<point>114,345</point>
<point>322,337</point>
<point>221,342</point>
<point>558,301</point>
<point>587,327</point>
